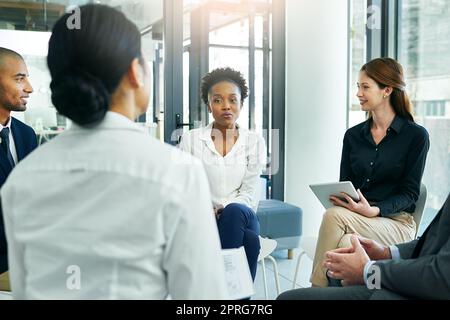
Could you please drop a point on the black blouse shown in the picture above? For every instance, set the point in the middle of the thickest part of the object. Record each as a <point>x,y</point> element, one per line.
<point>388,174</point>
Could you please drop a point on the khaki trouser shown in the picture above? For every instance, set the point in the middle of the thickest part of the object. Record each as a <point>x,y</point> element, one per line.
<point>338,224</point>
<point>4,282</point>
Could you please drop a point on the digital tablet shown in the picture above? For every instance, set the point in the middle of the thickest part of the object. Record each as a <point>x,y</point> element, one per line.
<point>323,191</point>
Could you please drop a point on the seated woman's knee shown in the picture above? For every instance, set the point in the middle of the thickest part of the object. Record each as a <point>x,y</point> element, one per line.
<point>234,207</point>
<point>333,215</point>
<point>236,211</point>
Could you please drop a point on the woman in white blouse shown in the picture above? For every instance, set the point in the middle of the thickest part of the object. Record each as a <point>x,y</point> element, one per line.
<point>233,158</point>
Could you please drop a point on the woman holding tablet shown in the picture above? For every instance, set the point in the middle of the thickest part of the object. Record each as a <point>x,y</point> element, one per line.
<point>384,157</point>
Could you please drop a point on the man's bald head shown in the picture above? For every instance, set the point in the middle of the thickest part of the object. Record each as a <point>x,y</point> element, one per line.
<point>8,53</point>
<point>15,87</point>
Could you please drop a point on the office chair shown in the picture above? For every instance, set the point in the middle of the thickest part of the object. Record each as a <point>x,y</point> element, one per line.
<point>308,247</point>
<point>267,247</point>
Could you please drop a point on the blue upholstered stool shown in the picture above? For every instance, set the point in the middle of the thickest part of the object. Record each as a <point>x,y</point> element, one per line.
<point>282,222</point>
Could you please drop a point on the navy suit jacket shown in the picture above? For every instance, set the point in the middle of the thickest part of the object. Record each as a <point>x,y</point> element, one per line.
<point>25,141</point>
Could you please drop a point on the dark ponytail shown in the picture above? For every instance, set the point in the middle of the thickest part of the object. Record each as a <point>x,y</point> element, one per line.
<point>401,104</point>
<point>387,72</point>
<point>88,64</point>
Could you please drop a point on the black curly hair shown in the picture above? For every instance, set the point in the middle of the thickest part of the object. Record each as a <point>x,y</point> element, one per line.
<point>219,75</point>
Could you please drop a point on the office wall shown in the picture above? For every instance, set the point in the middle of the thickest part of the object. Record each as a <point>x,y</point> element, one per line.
<point>316,100</point>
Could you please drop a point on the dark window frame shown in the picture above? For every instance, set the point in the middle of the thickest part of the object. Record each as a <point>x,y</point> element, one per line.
<point>173,58</point>
<point>385,42</point>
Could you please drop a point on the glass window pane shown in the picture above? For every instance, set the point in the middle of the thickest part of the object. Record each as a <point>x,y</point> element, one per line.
<point>228,29</point>
<point>141,12</point>
<point>259,31</point>
<point>424,54</point>
<point>186,87</point>
<point>259,91</point>
<point>40,15</point>
<point>228,35</point>
<point>30,16</point>
<point>358,54</point>
<point>41,114</point>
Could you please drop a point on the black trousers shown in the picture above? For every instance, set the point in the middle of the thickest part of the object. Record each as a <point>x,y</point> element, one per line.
<point>340,293</point>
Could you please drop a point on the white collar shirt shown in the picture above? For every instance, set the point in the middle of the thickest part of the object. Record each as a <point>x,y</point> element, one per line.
<point>105,213</point>
<point>235,177</point>
<point>12,144</point>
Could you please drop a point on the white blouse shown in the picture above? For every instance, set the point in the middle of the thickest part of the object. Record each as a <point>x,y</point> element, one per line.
<point>106,213</point>
<point>235,177</point>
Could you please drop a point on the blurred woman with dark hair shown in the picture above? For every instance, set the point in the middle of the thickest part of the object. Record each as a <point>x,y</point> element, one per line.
<point>103,211</point>
<point>384,157</point>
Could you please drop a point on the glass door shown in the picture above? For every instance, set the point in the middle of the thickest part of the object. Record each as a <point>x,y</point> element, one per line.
<point>228,33</point>
<point>235,34</point>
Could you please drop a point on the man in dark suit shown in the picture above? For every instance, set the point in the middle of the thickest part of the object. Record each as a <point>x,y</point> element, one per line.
<point>17,139</point>
<point>419,269</point>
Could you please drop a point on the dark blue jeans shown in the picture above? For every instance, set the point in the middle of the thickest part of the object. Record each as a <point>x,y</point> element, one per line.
<point>238,226</point>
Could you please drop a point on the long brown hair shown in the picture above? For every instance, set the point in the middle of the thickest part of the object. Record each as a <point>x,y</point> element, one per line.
<point>387,72</point>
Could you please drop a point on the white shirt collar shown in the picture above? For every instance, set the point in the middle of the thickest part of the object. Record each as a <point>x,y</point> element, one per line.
<point>8,124</point>
<point>113,120</point>
<point>205,134</point>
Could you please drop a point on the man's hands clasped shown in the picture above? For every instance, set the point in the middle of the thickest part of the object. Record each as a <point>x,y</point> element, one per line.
<point>347,264</point>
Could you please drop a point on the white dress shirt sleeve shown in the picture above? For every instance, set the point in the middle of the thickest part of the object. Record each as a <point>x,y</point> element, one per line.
<point>256,161</point>
<point>196,271</point>
<point>395,253</point>
<point>17,272</point>
<point>366,270</point>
